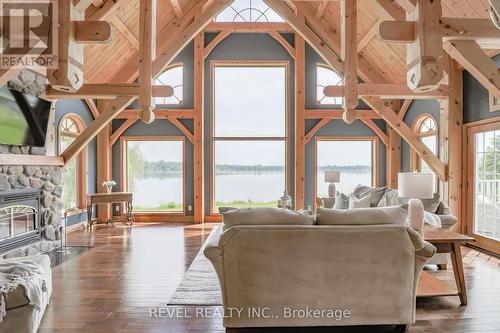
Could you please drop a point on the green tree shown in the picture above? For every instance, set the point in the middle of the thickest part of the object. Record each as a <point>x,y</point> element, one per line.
<point>491,161</point>
<point>135,165</point>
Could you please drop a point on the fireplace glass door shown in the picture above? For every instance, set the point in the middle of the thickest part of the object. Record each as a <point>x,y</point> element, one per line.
<point>16,220</point>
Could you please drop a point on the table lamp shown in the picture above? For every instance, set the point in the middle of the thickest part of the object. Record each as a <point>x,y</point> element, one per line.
<point>416,186</point>
<point>332,177</point>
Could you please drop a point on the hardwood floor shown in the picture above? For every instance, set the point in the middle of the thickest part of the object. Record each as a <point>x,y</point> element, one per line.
<point>133,269</point>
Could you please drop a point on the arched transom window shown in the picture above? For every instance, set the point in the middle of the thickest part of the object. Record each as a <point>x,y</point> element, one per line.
<point>248,11</point>
<point>173,77</point>
<point>326,77</point>
<point>425,128</point>
<point>75,171</point>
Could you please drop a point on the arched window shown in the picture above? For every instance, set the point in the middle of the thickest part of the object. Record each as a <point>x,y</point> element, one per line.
<point>75,171</point>
<point>248,11</point>
<point>327,77</point>
<point>173,77</point>
<point>425,128</point>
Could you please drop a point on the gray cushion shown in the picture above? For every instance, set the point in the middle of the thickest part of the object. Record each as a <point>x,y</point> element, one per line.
<point>341,201</point>
<point>391,198</point>
<point>448,221</point>
<point>264,216</point>
<point>377,193</point>
<point>362,216</point>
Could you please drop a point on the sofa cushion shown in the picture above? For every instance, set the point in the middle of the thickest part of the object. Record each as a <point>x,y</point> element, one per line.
<point>341,201</point>
<point>447,221</point>
<point>362,216</point>
<point>265,216</point>
<point>376,193</point>
<point>363,202</point>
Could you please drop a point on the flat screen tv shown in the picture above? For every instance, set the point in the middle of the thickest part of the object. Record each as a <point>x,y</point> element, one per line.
<point>23,118</point>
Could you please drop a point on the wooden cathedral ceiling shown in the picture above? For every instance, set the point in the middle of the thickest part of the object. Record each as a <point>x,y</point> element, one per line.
<point>113,61</point>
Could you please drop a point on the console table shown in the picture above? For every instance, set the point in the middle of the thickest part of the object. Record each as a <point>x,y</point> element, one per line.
<point>108,198</point>
<point>446,242</point>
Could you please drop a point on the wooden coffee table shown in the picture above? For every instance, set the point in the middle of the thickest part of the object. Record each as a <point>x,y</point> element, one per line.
<point>446,242</point>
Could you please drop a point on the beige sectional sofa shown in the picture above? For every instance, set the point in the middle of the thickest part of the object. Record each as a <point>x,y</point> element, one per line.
<point>293,270</point>
<point>21,317</point>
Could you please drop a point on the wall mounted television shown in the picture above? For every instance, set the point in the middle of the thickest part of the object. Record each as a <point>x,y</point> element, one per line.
<point>23,118</point>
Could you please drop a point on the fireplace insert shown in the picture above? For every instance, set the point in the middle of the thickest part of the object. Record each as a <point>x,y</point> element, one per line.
<point>19,218</point>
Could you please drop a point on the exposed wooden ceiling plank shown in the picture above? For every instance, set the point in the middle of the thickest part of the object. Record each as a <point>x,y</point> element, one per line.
<point>369,35</point>
<point>124,31</point>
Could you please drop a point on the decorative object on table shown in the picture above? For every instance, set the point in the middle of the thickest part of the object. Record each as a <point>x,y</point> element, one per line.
<point>416,186</point>
<point>109,184</point>
<point>285,201</point>
<point>332,177</point>
<point>107,198</point>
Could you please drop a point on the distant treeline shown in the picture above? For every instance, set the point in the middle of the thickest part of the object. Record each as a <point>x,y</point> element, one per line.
<point>163,167</point>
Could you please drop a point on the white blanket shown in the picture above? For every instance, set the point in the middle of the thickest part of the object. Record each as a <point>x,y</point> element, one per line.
<point>26,274</point>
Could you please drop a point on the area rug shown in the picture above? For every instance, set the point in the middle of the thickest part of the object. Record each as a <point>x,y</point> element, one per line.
<point>200,285</point>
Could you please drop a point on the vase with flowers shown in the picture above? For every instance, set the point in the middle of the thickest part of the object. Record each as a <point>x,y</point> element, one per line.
<point>109,185</point>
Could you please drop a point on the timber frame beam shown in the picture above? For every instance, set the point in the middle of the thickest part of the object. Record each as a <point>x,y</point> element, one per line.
<point>407,134</point>
<point>388,91</point>
<point>108,91</point>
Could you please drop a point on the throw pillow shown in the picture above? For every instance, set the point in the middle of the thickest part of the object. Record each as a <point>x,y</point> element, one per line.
<point>432,205</point>
<point>377,193</point>
<point>363,202</point>
<point>264,216</point>
<point>225,209</point>
<point>362,216</point>
<point>341,201</point>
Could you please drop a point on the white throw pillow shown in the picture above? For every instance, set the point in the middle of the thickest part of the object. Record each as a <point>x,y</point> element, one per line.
<point>341,201</point>
<point>363,202</point>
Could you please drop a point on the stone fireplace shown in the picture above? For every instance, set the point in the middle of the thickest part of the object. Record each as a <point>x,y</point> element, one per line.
<point>47,181</point>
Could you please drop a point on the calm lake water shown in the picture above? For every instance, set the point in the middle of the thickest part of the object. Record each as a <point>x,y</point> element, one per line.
<point>256,187</point>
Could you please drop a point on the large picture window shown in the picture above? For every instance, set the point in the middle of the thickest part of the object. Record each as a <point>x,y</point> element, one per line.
<point>249,134</point>
<point>353,157</point>
<point>75,171</point>
<point>154,169</point>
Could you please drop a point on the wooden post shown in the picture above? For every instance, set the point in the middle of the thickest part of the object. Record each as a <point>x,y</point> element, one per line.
<point>199,176</point>
<point>451,141</point>
<point>299,121</point>
<point>349,54</point>
<point>103,164</point>
<point>147,51</point>
<point>393,153</point>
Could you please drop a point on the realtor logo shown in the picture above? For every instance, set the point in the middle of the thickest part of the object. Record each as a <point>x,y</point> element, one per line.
<point>29,33</point>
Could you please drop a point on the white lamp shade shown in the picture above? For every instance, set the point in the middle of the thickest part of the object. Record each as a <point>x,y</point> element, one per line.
<point>332,176</point>
<point>417,185</point>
